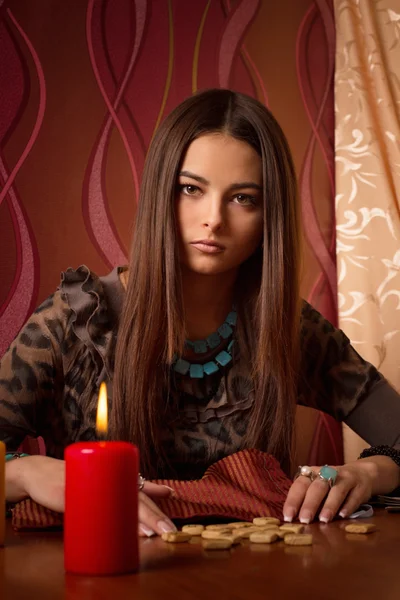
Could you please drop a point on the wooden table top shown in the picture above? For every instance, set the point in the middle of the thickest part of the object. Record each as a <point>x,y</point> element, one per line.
<point>338,565</point>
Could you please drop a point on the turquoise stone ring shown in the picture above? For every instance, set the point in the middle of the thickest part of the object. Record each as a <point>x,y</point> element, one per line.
<point>328,474</point>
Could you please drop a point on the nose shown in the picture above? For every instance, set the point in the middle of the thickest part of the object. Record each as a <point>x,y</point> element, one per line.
<point>214,215</point>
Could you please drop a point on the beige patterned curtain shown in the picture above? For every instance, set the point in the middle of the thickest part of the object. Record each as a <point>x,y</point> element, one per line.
<point>367,94</point>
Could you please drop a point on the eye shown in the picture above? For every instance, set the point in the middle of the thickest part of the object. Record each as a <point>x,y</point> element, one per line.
<point>189,189</point>
<point>245,200</point>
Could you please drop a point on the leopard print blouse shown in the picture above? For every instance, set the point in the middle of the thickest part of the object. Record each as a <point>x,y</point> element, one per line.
<point>50,377</point>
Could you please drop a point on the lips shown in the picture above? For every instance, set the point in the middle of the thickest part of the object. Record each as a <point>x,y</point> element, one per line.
<point>208,246</point>
<point>209,243</point>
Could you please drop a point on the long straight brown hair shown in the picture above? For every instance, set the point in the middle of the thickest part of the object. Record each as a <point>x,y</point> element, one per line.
<point>152,327</point>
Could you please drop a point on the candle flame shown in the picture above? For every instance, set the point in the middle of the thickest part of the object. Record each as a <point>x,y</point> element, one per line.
<point>102,411</point>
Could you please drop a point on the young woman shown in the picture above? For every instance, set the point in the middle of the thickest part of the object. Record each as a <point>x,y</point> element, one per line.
<point>203,341</point>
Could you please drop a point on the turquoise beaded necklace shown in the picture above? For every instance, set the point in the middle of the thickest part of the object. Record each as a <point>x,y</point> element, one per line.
<point>199,347</point>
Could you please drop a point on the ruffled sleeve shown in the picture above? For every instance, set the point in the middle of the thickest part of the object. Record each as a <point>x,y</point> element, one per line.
<point>49,377</point>
<point>31,374</point>
<point>93,320</point>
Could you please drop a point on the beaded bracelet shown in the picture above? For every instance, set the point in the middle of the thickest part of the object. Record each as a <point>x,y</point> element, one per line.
<point>382,451</point>
<point>12,455</point>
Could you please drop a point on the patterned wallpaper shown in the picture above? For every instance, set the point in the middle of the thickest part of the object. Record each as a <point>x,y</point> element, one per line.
<point>84,85</point>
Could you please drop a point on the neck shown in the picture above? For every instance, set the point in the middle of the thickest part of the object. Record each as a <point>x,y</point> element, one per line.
<point>207,300</point>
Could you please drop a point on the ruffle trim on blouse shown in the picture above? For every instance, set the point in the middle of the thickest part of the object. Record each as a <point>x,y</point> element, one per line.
<point>199,415</point>
<point>92,320</point>
<point>225,402</point>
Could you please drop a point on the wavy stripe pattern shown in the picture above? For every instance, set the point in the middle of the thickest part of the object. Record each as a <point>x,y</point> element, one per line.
<point>170,65</point>
<point>259,82</point>
<point>324,255</point>
<point>22,294</point>
<point>327,436</point>
<point>99,221</point>
<point>236,26</point>
<point>18,305</point>
<point>197,47</point>
<point>41,108</point>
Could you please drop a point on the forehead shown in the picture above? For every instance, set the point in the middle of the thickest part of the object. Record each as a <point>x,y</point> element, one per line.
<point>220,154</point>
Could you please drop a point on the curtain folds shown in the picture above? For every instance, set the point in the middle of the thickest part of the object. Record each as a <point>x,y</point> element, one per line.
<point>367,157</point>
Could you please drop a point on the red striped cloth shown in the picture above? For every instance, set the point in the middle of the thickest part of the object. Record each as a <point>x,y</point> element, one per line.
<point>31,515</point>
<point>242,486</point>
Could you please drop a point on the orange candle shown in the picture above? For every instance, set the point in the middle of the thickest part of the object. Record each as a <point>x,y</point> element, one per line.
<point>2,492</point>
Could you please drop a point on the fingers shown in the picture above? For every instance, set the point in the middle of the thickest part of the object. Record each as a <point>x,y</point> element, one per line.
<point>315,497</point>
<point>356,497</point>
<point>349,491</point>
<point>157,491</point>
<point>151,519</point>
<point>335,499</point>
<point>295,498</point>
<point>306,498</point>
<point>153,490</point>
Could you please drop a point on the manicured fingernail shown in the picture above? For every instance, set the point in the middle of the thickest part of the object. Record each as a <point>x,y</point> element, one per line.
<point>343,514</point>
<point>170,489</point>
<point>326,516</point>
<point>287,519</point>
<point>305,517</point>
<point>166,526</point>
<point>288,515</point>
<point>146,530</point>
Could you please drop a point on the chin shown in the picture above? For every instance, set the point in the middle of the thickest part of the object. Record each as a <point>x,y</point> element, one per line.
<point>209,269</point>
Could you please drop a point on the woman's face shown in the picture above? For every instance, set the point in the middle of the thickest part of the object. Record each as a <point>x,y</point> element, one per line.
<point>219,204</point>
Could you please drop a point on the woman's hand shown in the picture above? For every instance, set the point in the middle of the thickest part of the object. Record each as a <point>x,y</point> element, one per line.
<point>354,485</point>
<point>43,479</point>
<point>151,519</point>
<point>39,477</point>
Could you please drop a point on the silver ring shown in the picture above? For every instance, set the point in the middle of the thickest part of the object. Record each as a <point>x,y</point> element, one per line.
<point>306,471</point>
<point>141,482</point>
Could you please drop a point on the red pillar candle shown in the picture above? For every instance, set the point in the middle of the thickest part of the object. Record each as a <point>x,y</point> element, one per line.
<point>101,508</point>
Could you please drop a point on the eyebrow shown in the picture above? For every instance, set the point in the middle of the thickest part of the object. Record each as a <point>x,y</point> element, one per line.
<point>234,186</point>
